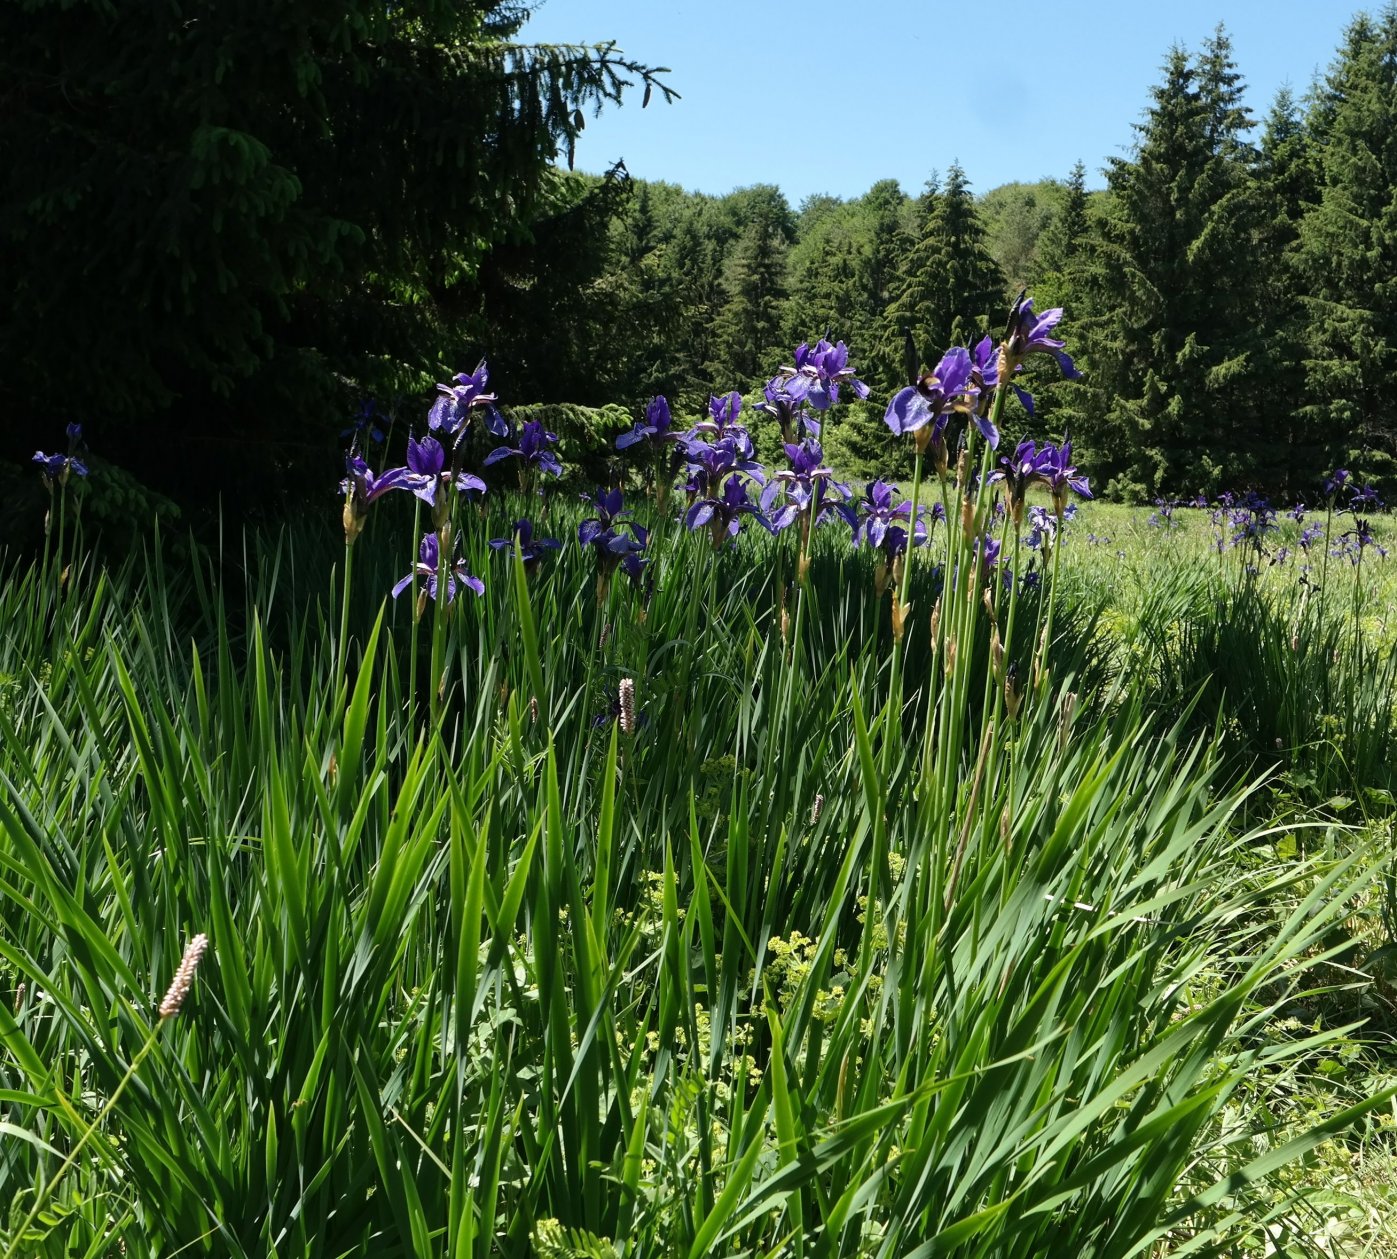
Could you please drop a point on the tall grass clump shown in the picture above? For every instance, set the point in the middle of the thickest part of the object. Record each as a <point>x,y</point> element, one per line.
<point>633,885</point>
<point>1282,642</point>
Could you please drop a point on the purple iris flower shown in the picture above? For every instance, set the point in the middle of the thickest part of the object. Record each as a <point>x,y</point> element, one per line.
<point>1042,528</point>
<point>894,541</point>
<point>987,550</point>
<point>609,533</point>
<point>57,468</point>
<point>1059,474</point>
<point>533,448</point>
<point>428,566</point>
<point>1310,535</point>
<point>423,474</point>
<point>710,462</point>
<point>1030,333</point>
<point>1163,515</point>
<point>1027,465</point>
<point>1365,499</point>
<point>531,549</point>
<point>985,377</point>
<point>634,564</point>
<point>805,485</point>
<point>364,486</point>
<point>366,424</point>
<point>451,412</point>
<point>818,373</point>
<point>1248,517</point>
<point>789,412</point>
<point>723,513</point>
<point>1335,482</point>
<point>655,426</point>
<point>1357,540</point>
<point>871,517</point>
<point>609,510</point>
<point>723,412</point>
<point>924,409</point>
<point>360,488</point>
<point>984,365</point>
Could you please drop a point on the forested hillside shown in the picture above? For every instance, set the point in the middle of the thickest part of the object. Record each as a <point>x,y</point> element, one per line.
<point>1231,287</point>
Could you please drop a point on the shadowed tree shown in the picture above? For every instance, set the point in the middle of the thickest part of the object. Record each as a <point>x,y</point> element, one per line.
<point>218,216</point>
<point>748,329</point>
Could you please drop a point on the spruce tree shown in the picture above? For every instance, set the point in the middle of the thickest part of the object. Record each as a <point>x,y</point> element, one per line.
<point>829,279</point>
<point>1173,340</point>
<point>1288,172</point>
<point>948,287</point>
<point>1061,277</point>
<point>225,212</point>
<point>1062,239</point>
<point>1348,250</point>
<point>748,329</point>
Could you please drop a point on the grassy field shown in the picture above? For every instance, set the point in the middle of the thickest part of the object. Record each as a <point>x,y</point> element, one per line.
<point>706,915</point>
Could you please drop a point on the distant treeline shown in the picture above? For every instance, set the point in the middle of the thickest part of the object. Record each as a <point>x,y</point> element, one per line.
<point>217,244</point>
<point>1231,293</point>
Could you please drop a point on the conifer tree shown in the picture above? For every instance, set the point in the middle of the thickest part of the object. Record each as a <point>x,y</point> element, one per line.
<point>1173,339</point>
<point>948,286</point>
<point>225,211</point>
<point>829,280</point>
<point>1062,239</point>
<point>1288,172</point>
<point>748,330</point>
<point>1348,249</point>
<point>1061,277</point>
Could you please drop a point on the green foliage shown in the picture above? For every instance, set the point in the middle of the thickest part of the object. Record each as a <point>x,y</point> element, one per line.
<point>948,282</point>
<point>380,203</point>
<point>268,210</point>
<point>1173,337</point>
<point>818,954</point>
<point>1348,247</point>
<point>588,433</point>
<point>1017,217</point>
<point>754,284</point>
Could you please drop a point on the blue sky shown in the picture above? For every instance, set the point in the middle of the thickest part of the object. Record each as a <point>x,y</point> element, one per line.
<point>825,97</point>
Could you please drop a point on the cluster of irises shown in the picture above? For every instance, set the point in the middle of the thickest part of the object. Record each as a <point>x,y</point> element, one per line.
<point>722,473</point>
<point>1247,520</point>
<point>435,469</point>
<point>725,485</point>
<point>719,461</point>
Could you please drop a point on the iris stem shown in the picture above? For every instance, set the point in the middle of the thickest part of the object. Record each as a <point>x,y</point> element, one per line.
<point>436,683</point>
<point>342,645</point>
<point>1040,648</point>
<point>893,723</point>
<point>412,615</point>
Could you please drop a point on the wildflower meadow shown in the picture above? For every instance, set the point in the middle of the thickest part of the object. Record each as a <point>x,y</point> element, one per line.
<point>719,859</point>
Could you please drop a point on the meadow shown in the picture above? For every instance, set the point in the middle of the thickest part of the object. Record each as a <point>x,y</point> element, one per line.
<point>696,888</point>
